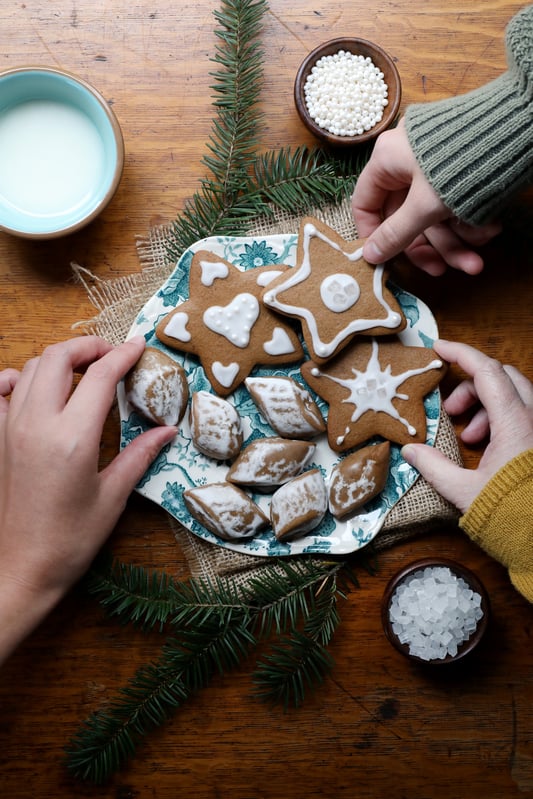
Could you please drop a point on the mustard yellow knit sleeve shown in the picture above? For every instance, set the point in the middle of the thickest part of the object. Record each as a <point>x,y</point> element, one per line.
<point>500,520</point>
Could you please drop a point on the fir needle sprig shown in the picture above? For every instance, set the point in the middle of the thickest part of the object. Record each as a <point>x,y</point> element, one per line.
<point>211,628</point>
<point>242,184</point>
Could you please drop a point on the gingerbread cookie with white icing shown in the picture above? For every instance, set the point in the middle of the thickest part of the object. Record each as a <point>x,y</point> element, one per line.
<point>287,406</point>
<point>226,325</point>
<point>157,388</point>
<point>216,428</point>
<point>376,387</point>
<point>358,478</point>
<point>299,506</point>
<point>269,462</point>
<point>225,510</point>
<point>334,292</point>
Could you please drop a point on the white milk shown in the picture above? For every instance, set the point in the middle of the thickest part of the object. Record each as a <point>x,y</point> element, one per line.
<point>51,157</point>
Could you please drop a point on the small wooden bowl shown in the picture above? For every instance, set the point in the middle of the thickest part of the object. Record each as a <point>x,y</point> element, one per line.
<point>460,571</point>
<point>357,47</point>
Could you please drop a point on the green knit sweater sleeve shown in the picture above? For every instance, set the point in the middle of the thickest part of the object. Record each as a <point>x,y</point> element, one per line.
<point>476,149</point>
<point>500,520</point>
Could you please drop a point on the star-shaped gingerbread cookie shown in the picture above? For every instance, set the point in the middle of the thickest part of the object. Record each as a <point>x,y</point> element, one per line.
<point>376,387</point>
<point>334,292</point>
<point>225,323</point>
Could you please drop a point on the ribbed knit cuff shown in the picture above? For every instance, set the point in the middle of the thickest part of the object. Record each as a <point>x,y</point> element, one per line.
<point>500,520</point>
<point>477,149</point>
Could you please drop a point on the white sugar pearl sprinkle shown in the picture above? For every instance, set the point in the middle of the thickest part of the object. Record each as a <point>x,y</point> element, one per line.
<point>345,94</point>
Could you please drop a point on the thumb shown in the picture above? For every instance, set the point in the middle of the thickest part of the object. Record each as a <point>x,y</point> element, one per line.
<point>447,478</point>
<point>127,468</point>
<point>420,209</point>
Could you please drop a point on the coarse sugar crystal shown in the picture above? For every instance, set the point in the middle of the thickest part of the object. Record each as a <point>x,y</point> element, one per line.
<point>434,611</point>
<point>346,93</point>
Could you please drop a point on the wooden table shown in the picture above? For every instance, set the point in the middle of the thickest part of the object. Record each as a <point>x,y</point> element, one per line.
<point>379,726</point>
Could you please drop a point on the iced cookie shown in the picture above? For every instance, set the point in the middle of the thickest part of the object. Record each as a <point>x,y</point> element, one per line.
<point>287,406</point>
<point>268,462</point>
<point>299,506</point>
<point>226,325</point>
<point>216,428</point>
<point>225,510</point>
<point>358,478</point>
<point>376,387</point>
<point>334,292</point>
<point>157,388</point>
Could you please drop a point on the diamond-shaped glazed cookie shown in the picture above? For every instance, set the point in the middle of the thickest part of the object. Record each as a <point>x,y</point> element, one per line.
<point>157,388</point>
<point>358,478</point>
<point>268,462</point>
<point>287,406</point>
<point>299,506</point>
<point>226,510</point>
<point>216,428</point>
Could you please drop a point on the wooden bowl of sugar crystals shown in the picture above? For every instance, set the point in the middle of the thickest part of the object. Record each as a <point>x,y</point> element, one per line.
<point>347,91</point>
<point>435,611</point>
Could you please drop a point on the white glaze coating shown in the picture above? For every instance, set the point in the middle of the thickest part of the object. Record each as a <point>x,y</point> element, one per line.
<point>158,391</point>
<point>325,349</point>
<point>339,292</point>
<point>264,278</point>
<point>287,406</point>
<point>216,428</point>
<point>270,462</point>
<point>346,493</point>
<point>225,373</point>
<point>225,510</point>
<point>375,388</point>
<point>299,506</point>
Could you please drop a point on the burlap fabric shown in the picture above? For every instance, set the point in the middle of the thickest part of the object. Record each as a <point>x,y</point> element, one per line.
<point>119,301</point>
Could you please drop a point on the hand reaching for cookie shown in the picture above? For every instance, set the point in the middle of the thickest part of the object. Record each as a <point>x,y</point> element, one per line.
<point>396,209</point>
<point>502,399</point>
<point>56,508</point>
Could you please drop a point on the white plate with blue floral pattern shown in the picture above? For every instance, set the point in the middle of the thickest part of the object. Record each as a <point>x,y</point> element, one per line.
<point>180,466</point>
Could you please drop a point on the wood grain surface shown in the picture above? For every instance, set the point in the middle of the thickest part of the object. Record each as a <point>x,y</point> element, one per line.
<point>379,727</point>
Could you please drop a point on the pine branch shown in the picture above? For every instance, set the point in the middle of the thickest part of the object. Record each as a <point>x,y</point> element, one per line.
<point>109,738</point>
<point>238,83</point>
<point>242,185</point>
<point>295,664</point>
<point>297,180</point>
<point>132,593</point>
<point>301,659</point>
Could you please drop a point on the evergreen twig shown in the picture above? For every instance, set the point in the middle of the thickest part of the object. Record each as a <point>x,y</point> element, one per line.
<point>212,628</point>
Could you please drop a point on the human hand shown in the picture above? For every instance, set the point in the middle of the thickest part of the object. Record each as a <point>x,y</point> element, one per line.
<point>56,508</point>
<point>503,401</point>
<point>396,209</point>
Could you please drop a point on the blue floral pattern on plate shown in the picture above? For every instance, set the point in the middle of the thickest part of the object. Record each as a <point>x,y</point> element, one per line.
<point>180,466</point>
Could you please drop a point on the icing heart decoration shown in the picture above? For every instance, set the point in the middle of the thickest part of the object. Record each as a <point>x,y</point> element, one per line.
<point>177,327</point>
<point>235,320</point>
<point>225,374</point>
<point>279,344</point>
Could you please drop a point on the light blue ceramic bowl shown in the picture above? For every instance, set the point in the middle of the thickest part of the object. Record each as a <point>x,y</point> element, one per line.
<point>61,152</point>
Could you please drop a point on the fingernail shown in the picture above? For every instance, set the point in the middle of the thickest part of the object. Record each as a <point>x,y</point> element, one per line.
<point>408,453</point>
<point>372,253</point>
<point>137,339</point>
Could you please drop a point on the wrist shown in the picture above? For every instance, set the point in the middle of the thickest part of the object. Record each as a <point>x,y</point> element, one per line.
<point>22,607</point>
